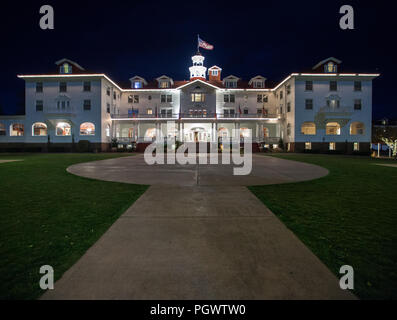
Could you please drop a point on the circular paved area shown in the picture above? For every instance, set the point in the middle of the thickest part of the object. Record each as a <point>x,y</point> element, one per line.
<point>265,170</point>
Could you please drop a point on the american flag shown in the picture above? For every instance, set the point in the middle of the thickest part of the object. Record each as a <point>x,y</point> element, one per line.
<point>205,45</point>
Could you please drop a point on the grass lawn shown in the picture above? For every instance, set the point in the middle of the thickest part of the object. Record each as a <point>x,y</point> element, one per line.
<point>348,217</point>
<point>51,217</point>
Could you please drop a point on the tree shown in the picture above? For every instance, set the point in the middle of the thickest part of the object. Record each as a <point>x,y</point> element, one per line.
<point>381,132</point>
<point>386,134</point>
<point>392,144</point>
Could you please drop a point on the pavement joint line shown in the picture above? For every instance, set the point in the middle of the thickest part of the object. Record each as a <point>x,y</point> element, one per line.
<point>189,217</point>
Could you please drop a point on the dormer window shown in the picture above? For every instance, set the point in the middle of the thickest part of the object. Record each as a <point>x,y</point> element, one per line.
<point>214,72</point>
<point>164,84</point>
<point>66,68</point>
<point>259,84</point>
<point>231,84</point>
<point>330,67</point>
<point>137,84</point>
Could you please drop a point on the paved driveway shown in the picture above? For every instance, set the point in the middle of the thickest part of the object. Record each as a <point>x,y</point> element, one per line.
<point>265,170</point>
<point>197,234</point>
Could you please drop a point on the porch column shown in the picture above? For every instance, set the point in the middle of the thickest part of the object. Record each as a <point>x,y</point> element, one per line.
<point>139,132</point>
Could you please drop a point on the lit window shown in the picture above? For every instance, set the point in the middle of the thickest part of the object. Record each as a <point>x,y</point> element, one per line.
<point>63,129</point>
<point>330,67</point>
<point>87,129</point>
<point>17,130</point>
<point>356,146</point>
<point>332,128</point>
<point>198,97</point>
<point>108,130</point>
<point>149,111</point>
<point>137,84</point>
<point>357,128</point>
<point>66,68</point>
<point>333,103</point>
<point>308,128</point>
<point>245,133</point>
<point>332,146</point>
<point>150,134</point>
<point>164,84</point>
<point>39,129</point>
<point>308,145</point>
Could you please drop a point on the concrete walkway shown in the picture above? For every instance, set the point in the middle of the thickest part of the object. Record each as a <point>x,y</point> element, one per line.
<point>6,161</point>
<point>207,241</point>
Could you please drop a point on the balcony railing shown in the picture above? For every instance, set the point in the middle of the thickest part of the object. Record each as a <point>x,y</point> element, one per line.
<point>69,109</point>
<point>195,115</point>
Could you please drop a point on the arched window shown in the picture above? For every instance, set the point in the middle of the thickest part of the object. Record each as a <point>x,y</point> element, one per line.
<point>39,129</point>
<point>308,128</point>
<point>87,129</point>
<point>16,130</point>
<point>63,129</point>
<point>357,128</point>
<point>244,133</point>
<point>223,132</point>
<point>150,134</point>
<point>2,130</point>
<point>332,128</point>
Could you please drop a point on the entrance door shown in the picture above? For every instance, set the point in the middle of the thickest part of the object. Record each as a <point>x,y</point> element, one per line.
<point>196,137</point>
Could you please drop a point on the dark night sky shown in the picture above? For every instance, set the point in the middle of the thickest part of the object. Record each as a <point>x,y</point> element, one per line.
<point>271,38</point>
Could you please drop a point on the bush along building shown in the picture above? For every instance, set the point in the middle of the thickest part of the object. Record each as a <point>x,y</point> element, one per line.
<point>324,110</point>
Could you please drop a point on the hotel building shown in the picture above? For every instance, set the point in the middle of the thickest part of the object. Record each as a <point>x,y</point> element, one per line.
<point>321,110</point>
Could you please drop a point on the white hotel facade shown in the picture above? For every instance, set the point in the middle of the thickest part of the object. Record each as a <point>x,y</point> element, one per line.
<point>319,111</point>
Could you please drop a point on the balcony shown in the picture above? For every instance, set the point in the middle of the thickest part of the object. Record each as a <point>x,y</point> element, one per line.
<point>196,115</point>
<point>60,110</point>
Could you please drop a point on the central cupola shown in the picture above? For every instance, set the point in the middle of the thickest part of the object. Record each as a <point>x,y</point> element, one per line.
<point>197,70</point>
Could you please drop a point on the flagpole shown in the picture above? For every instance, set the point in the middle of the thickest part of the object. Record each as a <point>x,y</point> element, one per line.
<point>198,48</point>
